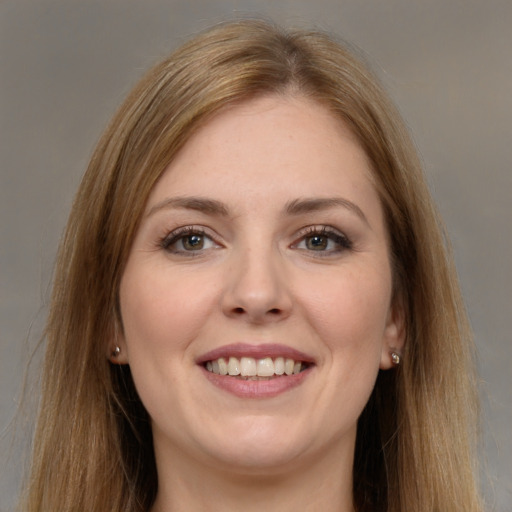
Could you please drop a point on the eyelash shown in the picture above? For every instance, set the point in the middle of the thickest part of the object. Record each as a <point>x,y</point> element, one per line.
<point>341,241</point>
<point>175,236</point>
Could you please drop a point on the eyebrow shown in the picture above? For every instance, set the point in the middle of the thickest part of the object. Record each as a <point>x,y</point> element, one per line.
<point>200,204</point>
<point>295,207</point>
<point>308,205</point>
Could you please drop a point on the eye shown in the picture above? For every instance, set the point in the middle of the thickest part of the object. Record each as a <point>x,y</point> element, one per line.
<point>323,239</point>
<point>187,240</point>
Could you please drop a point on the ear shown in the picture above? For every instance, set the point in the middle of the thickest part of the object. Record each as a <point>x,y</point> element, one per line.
<point>116,347</point>
<point>394,336</point>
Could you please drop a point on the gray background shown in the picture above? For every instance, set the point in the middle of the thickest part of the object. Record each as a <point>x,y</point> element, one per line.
<point>65,65</point>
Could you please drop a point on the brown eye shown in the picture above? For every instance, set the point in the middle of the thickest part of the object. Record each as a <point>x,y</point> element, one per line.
<point>187,241</point>
<point>324,240</point>
<point>317,242</point>
<point>193,242</point>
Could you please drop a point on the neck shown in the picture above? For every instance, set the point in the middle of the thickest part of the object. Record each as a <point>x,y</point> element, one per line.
<point>185,485</point>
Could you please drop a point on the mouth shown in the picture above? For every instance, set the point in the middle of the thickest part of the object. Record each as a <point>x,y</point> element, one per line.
<point>256,371</point>
<point>250,368</point>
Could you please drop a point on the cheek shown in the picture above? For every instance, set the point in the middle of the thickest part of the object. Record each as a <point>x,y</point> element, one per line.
<point>162,310</point>
<point>350,311</point>
<point>347,312</point>
<point>162,314</point>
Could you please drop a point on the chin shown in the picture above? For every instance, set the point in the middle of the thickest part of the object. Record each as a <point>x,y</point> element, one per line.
<point>253,459</point>
<point>257,445</point>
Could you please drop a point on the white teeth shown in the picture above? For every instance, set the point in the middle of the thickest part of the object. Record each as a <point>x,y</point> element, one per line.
<point>254,368</point>
<point>247,366</point>
<point>265,367</point>
<point>279,366</point>
<point>223,366</point>
<point>288,366</point>
<point>234,366</point>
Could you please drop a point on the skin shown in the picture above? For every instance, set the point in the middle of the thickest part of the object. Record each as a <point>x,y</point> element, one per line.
<point>260,276</point>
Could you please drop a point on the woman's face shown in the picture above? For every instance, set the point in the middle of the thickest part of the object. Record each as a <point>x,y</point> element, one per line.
<point>263,250</point>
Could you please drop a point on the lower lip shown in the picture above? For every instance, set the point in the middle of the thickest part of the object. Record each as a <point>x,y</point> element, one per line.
<point>257,388</point>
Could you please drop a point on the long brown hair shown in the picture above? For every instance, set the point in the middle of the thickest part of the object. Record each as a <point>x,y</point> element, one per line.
<point>93,446</point>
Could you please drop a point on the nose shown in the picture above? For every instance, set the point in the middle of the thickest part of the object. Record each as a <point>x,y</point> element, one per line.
<point>257,289</point>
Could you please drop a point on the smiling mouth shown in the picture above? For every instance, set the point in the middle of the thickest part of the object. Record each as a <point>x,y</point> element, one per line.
<point>250,368</point>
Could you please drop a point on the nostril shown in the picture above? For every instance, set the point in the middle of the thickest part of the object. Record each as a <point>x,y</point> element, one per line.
<point>273,311</point>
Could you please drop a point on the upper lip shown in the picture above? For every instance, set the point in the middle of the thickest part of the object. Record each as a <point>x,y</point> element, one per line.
<point>257,351</point>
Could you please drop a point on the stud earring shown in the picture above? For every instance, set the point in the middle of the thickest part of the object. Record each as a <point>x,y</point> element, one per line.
<point>395,358</point>
<point>116,351</point>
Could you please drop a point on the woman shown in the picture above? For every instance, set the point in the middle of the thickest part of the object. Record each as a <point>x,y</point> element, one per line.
<point>253,306</point>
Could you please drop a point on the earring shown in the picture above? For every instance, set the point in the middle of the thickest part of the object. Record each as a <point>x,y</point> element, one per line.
<point>395,358</point>
<point>116,351</point>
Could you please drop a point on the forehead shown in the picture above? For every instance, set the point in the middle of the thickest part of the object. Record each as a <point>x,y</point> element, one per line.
<point>271,145</point>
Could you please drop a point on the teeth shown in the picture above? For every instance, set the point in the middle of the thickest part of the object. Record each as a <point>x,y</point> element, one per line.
<point>233,366</point>
<point>247,367</point>
<point>279,366</point>
<point>254,368</point>
<point>265,367</point>
<point>223,366</point>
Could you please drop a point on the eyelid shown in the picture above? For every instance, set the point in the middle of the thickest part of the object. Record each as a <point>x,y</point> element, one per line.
<point>343,241</point>
<point>175,235</point>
